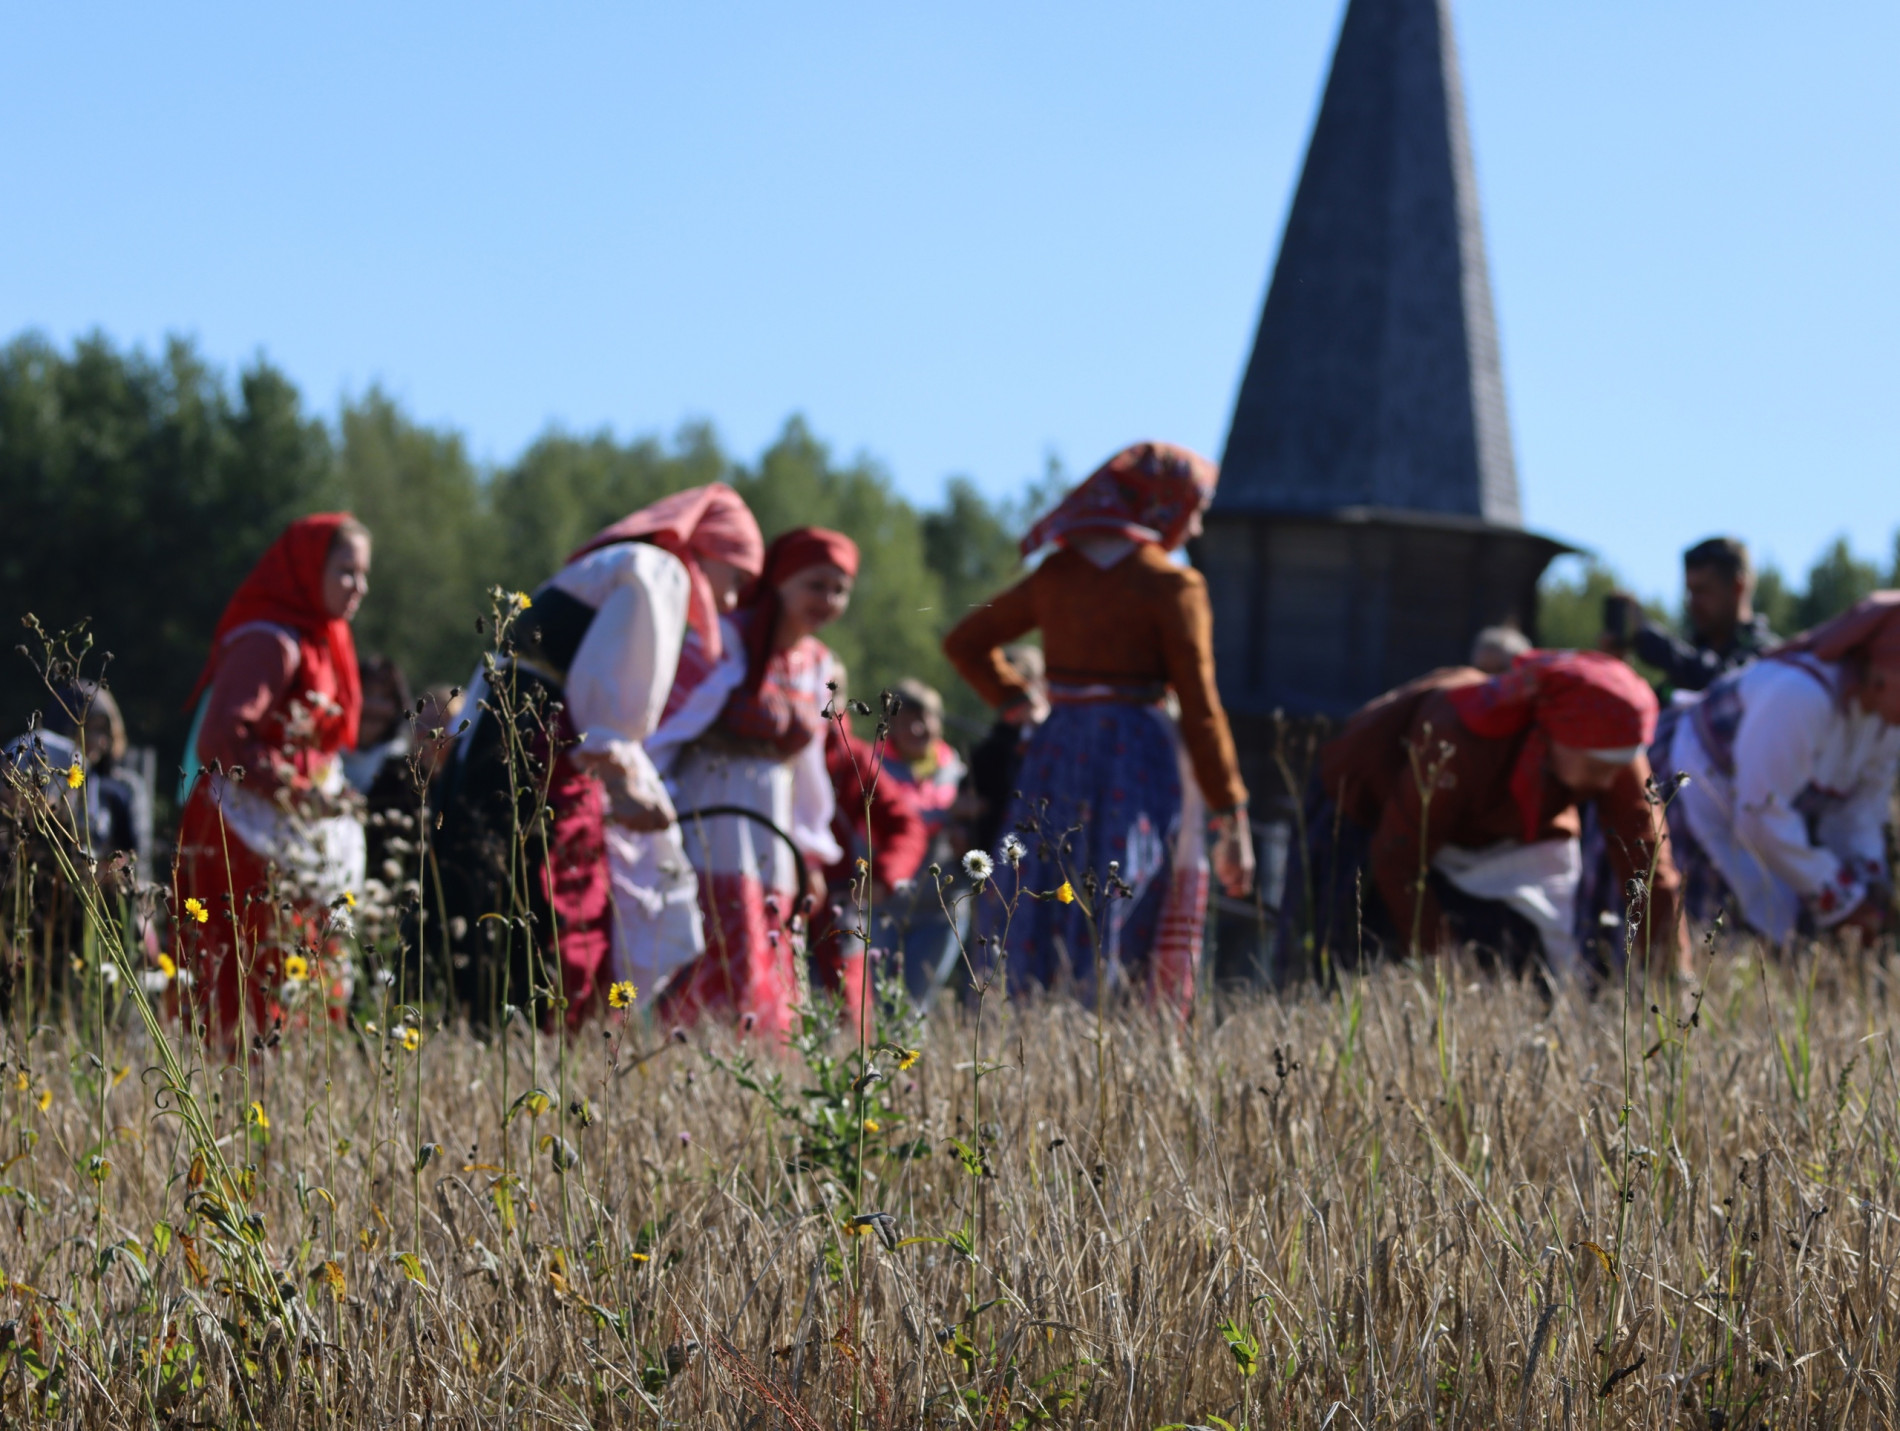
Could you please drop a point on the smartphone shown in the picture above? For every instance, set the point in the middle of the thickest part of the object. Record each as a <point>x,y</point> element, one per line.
<point>1622,616</point>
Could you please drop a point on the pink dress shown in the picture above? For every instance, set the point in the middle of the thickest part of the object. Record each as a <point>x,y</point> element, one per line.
<point>763,753</point>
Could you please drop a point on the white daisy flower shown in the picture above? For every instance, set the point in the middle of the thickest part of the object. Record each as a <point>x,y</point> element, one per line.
<point>977,865</point>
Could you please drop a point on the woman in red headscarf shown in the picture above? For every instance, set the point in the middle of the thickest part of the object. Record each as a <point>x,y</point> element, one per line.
<point>1114,787</point>
<point>1474,784</point>
<point>269,848</point>
<point>753,736</point>
<point>586,671</point>
<point>1791,765</point>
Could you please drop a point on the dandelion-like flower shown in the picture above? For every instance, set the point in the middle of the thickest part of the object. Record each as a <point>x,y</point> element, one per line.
<point>258,1118</point>
<point>1014,850</point>
<point>522,600</point>
<point>911,1055</point>
<point>978,866</point>
<point>1067,893</point>
<point>195,909</point>
<point>620,995</point>
<point>166,966</point>
<point>411,1037</point>
<point>296,968</point>
<point>75,775</point>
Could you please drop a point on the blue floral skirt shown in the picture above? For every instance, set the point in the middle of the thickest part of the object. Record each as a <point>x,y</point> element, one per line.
<point>1097,807</point>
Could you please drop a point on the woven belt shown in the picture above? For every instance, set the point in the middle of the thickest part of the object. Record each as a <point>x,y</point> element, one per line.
<point>1077,693</point>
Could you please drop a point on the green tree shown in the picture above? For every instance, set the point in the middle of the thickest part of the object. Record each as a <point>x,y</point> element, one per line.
<point>137,492</point>
<point>895,624</point>
<point>436,542</point>
<point>1570,607</point>
<point>1778,601</point>
<point>1835,582</point>
<point>564,488</point>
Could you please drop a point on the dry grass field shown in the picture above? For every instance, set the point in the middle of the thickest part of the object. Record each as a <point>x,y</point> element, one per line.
<point>1429,1199</point>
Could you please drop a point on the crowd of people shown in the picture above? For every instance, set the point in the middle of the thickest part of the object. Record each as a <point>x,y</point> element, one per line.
<point>654,792</point>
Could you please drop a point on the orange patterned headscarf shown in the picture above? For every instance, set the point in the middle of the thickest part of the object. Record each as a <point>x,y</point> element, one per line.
<point>1146,493</point>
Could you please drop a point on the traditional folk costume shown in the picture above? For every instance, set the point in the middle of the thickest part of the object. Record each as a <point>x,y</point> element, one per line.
<point>266,855</point>
<point>1790,779</point>
<point>893,842</point>
<point>751,735</point>
<point>601,640</point>
<point>1112,785</point>
<point>933,781</point>
<point>1500,833</point>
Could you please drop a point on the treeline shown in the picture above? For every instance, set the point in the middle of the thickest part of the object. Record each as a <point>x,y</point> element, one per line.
<point>1570,606</point>
<point>136,491</point>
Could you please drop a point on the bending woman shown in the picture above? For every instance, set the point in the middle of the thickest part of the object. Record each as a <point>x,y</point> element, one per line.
<point>586,673</point>
<point>1505,762</point>
<point>753,735</point>
<point>1791,765</point>
<point>263,854</point>
<point>1123,626</point>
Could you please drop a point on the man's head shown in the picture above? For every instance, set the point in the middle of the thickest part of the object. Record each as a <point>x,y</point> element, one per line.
<point>918,723</point>
<point>1496,647</point>
<point>1718,588</point>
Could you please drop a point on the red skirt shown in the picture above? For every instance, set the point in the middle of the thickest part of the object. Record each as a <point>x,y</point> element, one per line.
<point>237,949</point>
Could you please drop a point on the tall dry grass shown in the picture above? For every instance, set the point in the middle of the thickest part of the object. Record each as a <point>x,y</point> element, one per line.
<point>1428,1199</point>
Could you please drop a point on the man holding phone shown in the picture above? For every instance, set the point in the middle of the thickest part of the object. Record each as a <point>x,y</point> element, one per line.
<point>1718,601</point>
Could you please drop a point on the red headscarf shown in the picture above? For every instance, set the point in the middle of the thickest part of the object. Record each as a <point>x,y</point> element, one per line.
<point>790,553</point>
<point>285,588</point>
<point>1586,699</point>
<point>710,522</point>
<point>1147,493</point>
<point>1870,627</point>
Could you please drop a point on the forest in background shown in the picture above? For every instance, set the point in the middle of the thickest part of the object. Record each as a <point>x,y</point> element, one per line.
<point>136,490</point>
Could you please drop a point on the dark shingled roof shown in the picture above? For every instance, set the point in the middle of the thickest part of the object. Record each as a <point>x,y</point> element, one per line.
<point>1374,380</point>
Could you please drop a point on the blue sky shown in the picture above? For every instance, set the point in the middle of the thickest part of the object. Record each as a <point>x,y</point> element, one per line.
<point>963,238</point>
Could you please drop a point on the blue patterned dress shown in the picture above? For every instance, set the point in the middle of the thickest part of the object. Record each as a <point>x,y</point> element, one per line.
<point>1099,794</point>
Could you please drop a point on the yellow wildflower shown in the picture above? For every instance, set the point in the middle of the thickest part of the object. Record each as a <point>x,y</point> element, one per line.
<point>349,899</point>
<point>75,775</point>
<point>167,967</point>
<point>21,1081</point>
<point>1067,893</point>
<point>620,995</point>
<point>195,909</point>
<point>523,601</point>
<point>296,968</point>
<point>411,1038</point>
<point>257,1117</point>
<point>870,1125</point>
<point>911,1055</point>
<point>46,1099</point>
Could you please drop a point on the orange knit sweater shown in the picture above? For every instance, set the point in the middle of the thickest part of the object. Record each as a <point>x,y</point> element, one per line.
<point>1142,622</point>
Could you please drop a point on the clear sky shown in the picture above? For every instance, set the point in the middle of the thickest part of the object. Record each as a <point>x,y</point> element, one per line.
<point>960,238</point>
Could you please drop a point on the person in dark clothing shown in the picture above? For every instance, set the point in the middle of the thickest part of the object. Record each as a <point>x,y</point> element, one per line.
<point>990,779</point>
<point>1718,590</point>
<point>110,801</point>
<point>1718,602</point>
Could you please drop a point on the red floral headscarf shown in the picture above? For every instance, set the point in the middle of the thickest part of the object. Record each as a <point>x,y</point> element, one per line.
<point>1586,699</point>
<point>1870,627</point>
<point>711,523</point>
<point>790,553</point>
<point>1147,493</point>
<point>285,589</point>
